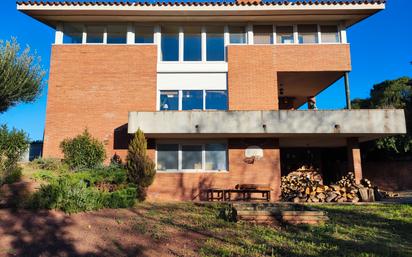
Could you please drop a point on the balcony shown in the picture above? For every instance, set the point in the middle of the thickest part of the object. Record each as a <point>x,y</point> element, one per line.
<point>365,124</point>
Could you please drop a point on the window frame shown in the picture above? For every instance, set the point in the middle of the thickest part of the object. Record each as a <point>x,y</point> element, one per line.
<point>189,142</point>
<point>180,99</point>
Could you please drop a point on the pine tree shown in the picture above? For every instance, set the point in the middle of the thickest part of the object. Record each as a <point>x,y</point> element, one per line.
<point>141,169</point>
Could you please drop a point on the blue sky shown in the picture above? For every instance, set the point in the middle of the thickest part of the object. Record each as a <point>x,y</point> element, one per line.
<point>381,49</point>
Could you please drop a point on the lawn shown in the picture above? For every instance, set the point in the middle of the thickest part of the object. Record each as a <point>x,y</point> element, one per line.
<point>190,229</point>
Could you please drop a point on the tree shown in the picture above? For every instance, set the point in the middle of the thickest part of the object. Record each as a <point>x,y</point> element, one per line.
<point>140,168</point>
<point>21,76</point>
<point>391,94</point>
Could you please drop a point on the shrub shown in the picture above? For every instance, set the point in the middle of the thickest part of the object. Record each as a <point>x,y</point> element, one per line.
<point>72,196</point>
<point>46,163</point>
<point>13,143</point>
<point>140,168</point>
<point>83,151</point>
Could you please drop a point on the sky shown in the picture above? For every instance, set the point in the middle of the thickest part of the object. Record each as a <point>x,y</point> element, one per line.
<point>381,49</point>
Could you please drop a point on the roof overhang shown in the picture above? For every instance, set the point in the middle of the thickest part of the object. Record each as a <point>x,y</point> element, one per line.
<point>52,13</point>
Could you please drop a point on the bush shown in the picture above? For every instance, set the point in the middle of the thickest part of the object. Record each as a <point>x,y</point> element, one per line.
<point>46,163</point>
<point>74,196</point>
<point>140,168</point>
<point>13,144</point>
<point>83,151</point>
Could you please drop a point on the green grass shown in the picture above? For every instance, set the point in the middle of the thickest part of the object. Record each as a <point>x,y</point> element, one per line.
<point>361,230</point>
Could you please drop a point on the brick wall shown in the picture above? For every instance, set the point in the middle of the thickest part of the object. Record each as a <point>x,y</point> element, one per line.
<point>187,186</point>
<point>252,80</point>
<point>96,87</point>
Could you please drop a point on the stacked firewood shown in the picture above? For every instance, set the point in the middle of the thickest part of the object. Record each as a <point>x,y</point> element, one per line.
<point>306,185</point>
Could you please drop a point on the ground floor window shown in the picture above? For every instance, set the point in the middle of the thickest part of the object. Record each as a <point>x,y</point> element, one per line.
<point>191,156</point>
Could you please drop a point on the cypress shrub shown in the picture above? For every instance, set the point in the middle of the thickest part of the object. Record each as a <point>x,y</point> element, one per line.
<point>140,168</point>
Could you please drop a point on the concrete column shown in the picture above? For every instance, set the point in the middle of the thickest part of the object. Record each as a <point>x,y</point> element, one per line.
<point>354,158</point>
<point>347,91</point>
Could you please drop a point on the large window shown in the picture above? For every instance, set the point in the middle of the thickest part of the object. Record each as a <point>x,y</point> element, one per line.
<point>116,34</point>
<point>308,33</point>
<point>284,35</point>
<point>215,44</point>
<point>192,44</point>
<point>237,34</point>
<point>329,34</point>
<point>172,100</point>
<point>216,100</point>
<point>263,34</point>
<point>170,43</point>
<point>169,100</point>
<point>143,35</point>
<point>167,157</point>
<point>95,34</point>
<point>192,156</point>
<point>73,34</point>
<point>192,100</point>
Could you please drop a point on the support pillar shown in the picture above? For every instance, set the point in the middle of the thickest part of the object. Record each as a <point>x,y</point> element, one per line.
<point>354,158</point>
<point>347,91</point>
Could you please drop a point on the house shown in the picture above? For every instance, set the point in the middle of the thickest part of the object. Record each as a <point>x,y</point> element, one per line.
<point>215,86</point>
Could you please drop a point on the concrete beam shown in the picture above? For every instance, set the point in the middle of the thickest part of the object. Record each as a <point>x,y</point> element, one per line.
<point>282,123</point>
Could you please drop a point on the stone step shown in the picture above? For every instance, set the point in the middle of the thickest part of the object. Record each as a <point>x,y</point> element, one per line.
<point>304,218</point>
<point>302,213</point>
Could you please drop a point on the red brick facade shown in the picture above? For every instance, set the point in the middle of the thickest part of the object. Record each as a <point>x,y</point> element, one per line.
<point>95,87</point>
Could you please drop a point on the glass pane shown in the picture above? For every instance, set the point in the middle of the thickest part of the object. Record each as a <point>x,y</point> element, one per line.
<point>216,157</point>
<point>263,34</point>
<point>73,33</point>
<point>192,100</point>
<point>237,35</point>
<point>215,45</point>
<point>329,34</point>
<point>169,100</point>
<point>191,157</point>
<point>216,99</point>
<point>284,35</point>
<point>192,44</point>
<point>116,34</point>
<point>167,157</point>
<point>95,34</point>
<point>143,35</point>
<point>170,43</point>
<point>308,34</point>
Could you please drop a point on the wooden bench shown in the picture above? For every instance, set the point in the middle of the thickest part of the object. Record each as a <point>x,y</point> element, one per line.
<point>246,192</point>
<point>215,194</point>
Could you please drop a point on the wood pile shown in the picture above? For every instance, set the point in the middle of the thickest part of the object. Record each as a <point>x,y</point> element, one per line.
<point>306,185</point>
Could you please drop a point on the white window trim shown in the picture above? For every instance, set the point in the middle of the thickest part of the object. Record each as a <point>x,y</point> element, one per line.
<point>192,142</point>
<point>180,99</point>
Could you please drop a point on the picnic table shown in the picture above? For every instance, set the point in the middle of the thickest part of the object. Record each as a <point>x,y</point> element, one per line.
<point>247,192</point>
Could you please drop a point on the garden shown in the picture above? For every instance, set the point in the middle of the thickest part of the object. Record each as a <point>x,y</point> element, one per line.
<point>80,181</point>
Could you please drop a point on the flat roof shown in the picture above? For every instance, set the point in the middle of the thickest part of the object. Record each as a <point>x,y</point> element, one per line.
<point>346,11</point>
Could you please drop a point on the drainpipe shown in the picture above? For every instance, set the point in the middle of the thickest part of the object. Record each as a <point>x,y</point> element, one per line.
<point>347,91</point>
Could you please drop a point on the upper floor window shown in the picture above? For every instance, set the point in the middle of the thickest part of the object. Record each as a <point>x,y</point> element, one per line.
<point>192,44</point>
<point>308,34</point>
<point>263,34</point>
<point>329,34</point>
<point>73,33</point>
<point>170,43</point>
<point>284,35</point>
<point>95,34</point>
<point>143,34</point>
<point>237,34</point>
<point>174,100</point>
<point>116,34</point>
<point>215,44</point>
